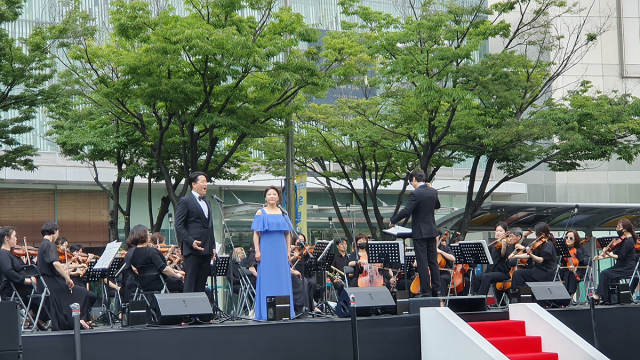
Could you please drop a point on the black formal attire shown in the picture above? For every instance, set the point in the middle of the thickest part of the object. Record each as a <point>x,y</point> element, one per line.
<point>445,275</point>
<point>339,262</point>
<point>357,270</point>
<point>60,299</point>
<point>623,268</point>
<point>149,256</point>
<point>497,272</point>
<point>309,284</point>
<point>422,204</point>
<point>80,282</point>
<point>568,276</point>
<point>11,268</point>
<point>246,263</point>
<point>193,223</point>
<point>128,288</point>
<point>545,271</point>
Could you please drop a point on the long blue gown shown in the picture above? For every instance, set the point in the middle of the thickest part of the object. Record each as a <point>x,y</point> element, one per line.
<point>274,273</point>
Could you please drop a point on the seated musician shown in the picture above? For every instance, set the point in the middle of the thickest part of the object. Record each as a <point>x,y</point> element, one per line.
<point>360,260</point>
<point>78,272</point>
<point>339,262</point>
<point>147,255</point>
<point>11,268</point>
<point>250,263</point>
<point>623,251</point>
<point>445,272</point>
<point>500,270</point>
<point>305,279</point>
<point>569,272</point>
<point>542,252</point>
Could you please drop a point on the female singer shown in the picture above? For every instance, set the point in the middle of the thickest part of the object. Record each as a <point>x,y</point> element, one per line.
<point>63,293</point>
<point>11,268</point>
<point>569,273</point>
<point>271,239</point>
<point>543,258</point>
<point>147,255</point>
<point>625,256</point>
<point>500,270</point>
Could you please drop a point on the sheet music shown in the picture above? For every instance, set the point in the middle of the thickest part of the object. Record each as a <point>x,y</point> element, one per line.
<point>110,252</point>
<point>218,247</point>
<point>396,230</point>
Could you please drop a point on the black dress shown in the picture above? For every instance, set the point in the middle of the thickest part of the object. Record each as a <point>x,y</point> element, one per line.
<point>150,256</point>
<point>497,272</point>
<point>11,268</point>
<point>445,275</point>
<point>568,276</point>
<point>60,299</point>
<point>624,267</point>
<point>544,271</point>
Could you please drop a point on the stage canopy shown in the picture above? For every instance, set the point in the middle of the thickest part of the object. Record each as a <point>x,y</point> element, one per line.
<point>589,217</point>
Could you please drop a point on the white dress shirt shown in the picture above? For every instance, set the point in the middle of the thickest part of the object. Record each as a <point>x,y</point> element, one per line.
<point>202,204</point>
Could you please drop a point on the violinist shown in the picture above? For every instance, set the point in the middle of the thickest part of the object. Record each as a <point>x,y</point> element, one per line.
<point>569,272</point>
<point>623,251</point>
<point>301,260</point>
<point>11,268</point>
<point>500,270</point>
<point>63,291</point>
<point>445,251</point>
<point>77,274</point>
<point>542,253</point>
<point>147,255</point>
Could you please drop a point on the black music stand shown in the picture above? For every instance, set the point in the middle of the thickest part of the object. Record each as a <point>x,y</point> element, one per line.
<point>386,252</point>
<point>324,264</point>
<point>409,259</point>
<point>218,268</point>
<point>106,268</point>
<point>473,253</point>
<point>561,248</point>
<point>605,241</point>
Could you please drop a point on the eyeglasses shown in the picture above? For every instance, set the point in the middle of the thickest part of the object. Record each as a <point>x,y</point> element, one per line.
<point>569,238</point>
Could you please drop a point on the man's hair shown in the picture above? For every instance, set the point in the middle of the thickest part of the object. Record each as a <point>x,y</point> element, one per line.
<point>49,228</point>
<point>516,231</point>
<point>418,174</point>
<point>193,177</point>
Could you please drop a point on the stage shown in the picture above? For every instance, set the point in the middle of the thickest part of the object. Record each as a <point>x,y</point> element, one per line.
<point>381,337</point>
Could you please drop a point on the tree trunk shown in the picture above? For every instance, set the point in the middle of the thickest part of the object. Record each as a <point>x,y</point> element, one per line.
<point>162,212</point>
<point>114,212</point>
<point>150,202</point>
<point>127,210</point>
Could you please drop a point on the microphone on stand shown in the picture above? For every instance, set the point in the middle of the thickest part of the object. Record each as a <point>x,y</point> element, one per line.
<point>575,211</point>
<point>282,209</point>
<point>170,218</point>
<point>330,221</point>
<point>214,197</point>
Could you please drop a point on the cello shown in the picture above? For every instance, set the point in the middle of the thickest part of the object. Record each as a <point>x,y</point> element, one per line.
<point>442,262</point>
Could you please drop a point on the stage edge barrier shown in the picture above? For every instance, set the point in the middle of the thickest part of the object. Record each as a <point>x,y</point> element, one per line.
<point>556,336</point>
<point>443,334</point>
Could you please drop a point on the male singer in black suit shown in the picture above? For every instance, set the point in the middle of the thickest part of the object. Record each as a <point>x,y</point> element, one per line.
<point>421,207</point>
<point>195,227</point>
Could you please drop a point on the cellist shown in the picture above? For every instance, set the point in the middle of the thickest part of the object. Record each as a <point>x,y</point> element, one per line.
<point>569,272</point>
<point>542,253</point>
<point>445,271</point>
<point>500,269</point>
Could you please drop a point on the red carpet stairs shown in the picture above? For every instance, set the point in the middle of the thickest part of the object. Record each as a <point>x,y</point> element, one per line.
<point>510,337</point>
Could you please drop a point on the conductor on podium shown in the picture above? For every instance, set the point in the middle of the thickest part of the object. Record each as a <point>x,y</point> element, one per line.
<point>421,207</point>
<point>195,227</point>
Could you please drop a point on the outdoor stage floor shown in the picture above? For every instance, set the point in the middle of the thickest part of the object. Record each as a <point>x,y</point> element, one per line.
<point>380,337</point>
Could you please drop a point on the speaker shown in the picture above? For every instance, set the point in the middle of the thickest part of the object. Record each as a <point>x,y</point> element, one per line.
<point>10,355</point>
<point>369,300</point>
<point>619,293</point>
<point>278,308</point>
<point>457,304</point>
<point>520,295</point>
<point>172,309</point>
<point>402,302</point>
<point>135,313</point>
<point>549,293</point>
<point>11,335</point>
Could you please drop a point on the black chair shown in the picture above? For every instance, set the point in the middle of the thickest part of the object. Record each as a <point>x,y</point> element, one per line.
<point>32,271</point>
<point>15,296</point>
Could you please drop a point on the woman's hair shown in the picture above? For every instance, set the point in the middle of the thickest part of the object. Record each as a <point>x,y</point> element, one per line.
<point>626,225</point>
<point>577,241</point>
<point>4,232</point>
<point>361,236</point>
<point>503,225</point>
<point>138,235</point>
<point>157,237</point>
<point>272,188</point>
<point>75,247</point>
<point>303,236</point>
<point>61,240</point>
<point>543,228</point>
<point>49,228</point>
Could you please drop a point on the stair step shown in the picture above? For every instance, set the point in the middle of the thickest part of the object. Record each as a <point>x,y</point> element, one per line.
<point>534,356</point>
<point>499,328</point>
<point>517,344</point>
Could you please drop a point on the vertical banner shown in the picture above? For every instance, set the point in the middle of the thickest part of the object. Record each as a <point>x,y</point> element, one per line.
<point>301,204</point>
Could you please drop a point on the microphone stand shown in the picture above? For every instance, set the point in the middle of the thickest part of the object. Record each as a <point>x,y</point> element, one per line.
<point>227,234</point>
<point>302,246</point>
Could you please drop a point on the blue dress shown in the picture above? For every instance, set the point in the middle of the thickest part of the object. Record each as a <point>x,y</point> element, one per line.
<point>274,272</point>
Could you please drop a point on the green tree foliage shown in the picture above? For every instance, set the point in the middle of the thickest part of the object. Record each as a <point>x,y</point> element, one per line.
<point>25,68</point>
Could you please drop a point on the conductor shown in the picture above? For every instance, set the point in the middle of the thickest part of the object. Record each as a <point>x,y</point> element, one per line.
<point>195,227</point>
<point>421,207</point>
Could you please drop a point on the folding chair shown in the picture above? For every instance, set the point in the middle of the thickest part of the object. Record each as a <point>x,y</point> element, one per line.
<point>15,296</point>
<point>32,271</point>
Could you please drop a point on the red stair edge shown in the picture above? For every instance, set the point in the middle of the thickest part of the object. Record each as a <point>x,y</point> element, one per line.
<point>534,356</point>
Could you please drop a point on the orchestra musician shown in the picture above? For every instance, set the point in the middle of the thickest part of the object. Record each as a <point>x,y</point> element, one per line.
<point>147,255</point>
<point>339,262</point>
<point>312,291</point>
<point>569,272</point>
<point>421,207</point>
<point>78,271</point>
<point>445,251</point>
<point>63,291</point>
<point>500,270</point>
<point>542,253</point>
<point>624,254</point>
<point>194,225</point>
<point>358,258</point>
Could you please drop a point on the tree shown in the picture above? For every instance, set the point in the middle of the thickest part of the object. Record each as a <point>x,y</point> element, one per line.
<point>195,87</point>
<point>25,69</point>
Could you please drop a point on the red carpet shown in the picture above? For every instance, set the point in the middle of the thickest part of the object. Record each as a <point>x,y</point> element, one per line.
<point>510,337</point>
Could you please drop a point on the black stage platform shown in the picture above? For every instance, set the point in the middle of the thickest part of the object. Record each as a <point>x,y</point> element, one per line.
<point>383,337</point>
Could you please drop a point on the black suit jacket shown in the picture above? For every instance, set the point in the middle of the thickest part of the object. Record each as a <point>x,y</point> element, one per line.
<point>192,224</point>
<point>422,205</point>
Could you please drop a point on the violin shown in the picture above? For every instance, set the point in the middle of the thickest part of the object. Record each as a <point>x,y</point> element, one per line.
<point>507,284</point>
<point>20,251</point>
<point>612,245</point>
<point>573,262</point>
<point>541,240</point>
<point>64,254</point>
<point>498,245</point>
